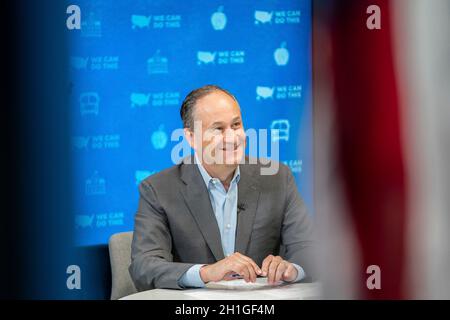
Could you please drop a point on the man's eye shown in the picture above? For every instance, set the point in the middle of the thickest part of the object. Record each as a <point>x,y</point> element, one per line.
<point>236,125</point>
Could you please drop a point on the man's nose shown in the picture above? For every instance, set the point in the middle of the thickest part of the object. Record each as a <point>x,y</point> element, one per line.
<point>229,136</point>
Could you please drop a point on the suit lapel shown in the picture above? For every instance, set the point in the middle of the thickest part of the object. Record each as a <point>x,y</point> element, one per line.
<point>248,194</point>
<point>199,204</point>
<point>197,199</point>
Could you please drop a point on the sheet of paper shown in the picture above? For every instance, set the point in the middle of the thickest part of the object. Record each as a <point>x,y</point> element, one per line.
<point>308,291</point>
<point>215,294</point>
<point>240,284</point>
<point>297,291</point>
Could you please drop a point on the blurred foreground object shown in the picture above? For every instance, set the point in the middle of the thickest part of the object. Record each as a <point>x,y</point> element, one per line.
<point>382,137</point>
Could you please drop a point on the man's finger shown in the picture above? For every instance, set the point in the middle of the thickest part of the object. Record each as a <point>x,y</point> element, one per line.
<point>238,265</point>
<point>253,263</point>
<point>280,270</point>
<point>290,273</point>
<point>272,270</point>
<point>247,269</point>
<point>265,265</point>
<point>251,272</point>
<point>231,276</point>
<point>243,271</point>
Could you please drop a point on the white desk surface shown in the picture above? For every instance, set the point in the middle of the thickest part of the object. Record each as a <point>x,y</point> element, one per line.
<point>296,291</point>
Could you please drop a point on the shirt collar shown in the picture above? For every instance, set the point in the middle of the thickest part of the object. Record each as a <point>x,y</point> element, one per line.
<point>207,178</point>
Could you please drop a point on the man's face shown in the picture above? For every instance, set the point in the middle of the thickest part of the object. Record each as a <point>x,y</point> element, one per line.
<point>218,129</point>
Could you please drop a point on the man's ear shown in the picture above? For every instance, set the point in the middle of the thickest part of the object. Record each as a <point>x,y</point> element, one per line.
<point>189,137</point>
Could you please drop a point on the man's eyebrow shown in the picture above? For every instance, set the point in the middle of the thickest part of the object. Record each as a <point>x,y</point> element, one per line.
<point>219,123</point>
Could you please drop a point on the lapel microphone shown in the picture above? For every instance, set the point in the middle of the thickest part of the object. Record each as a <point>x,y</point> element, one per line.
<point>241,207</point>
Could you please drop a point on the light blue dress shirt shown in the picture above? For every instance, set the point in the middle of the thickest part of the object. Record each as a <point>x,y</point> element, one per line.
<point>224,204</point>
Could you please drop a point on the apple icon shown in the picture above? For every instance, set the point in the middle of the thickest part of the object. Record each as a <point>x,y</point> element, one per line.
<point>219,19</point>
<point>281,55</point>
<point>159,138</point>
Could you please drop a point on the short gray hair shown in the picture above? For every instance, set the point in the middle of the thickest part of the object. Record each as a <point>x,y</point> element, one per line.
<point>188,105</point>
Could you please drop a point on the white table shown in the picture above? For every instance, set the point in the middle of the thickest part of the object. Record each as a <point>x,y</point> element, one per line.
<point>296,291</point>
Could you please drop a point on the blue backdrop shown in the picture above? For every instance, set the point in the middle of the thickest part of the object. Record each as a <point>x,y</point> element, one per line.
<point>133,62</point>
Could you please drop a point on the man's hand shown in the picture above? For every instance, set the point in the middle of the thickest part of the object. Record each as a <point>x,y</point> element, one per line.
<point>276,269</point>
<point>235,263</point>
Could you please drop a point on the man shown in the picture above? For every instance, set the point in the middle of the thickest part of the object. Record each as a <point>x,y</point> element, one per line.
<point>214,217</point>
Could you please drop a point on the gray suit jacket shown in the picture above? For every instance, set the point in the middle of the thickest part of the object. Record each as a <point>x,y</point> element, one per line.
<point>175,226</point>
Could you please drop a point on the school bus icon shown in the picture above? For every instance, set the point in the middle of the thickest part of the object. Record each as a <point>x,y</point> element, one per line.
<point>89,102</point>
<point>280,130</point>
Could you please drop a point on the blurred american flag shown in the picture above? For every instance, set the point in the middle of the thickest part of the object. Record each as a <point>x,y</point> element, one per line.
<point>382,137</point>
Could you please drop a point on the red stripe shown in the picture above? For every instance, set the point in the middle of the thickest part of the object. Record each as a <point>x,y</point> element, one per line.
<point>369,145</point>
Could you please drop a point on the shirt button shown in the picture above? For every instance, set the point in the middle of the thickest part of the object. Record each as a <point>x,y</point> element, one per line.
<point>228,226</point>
